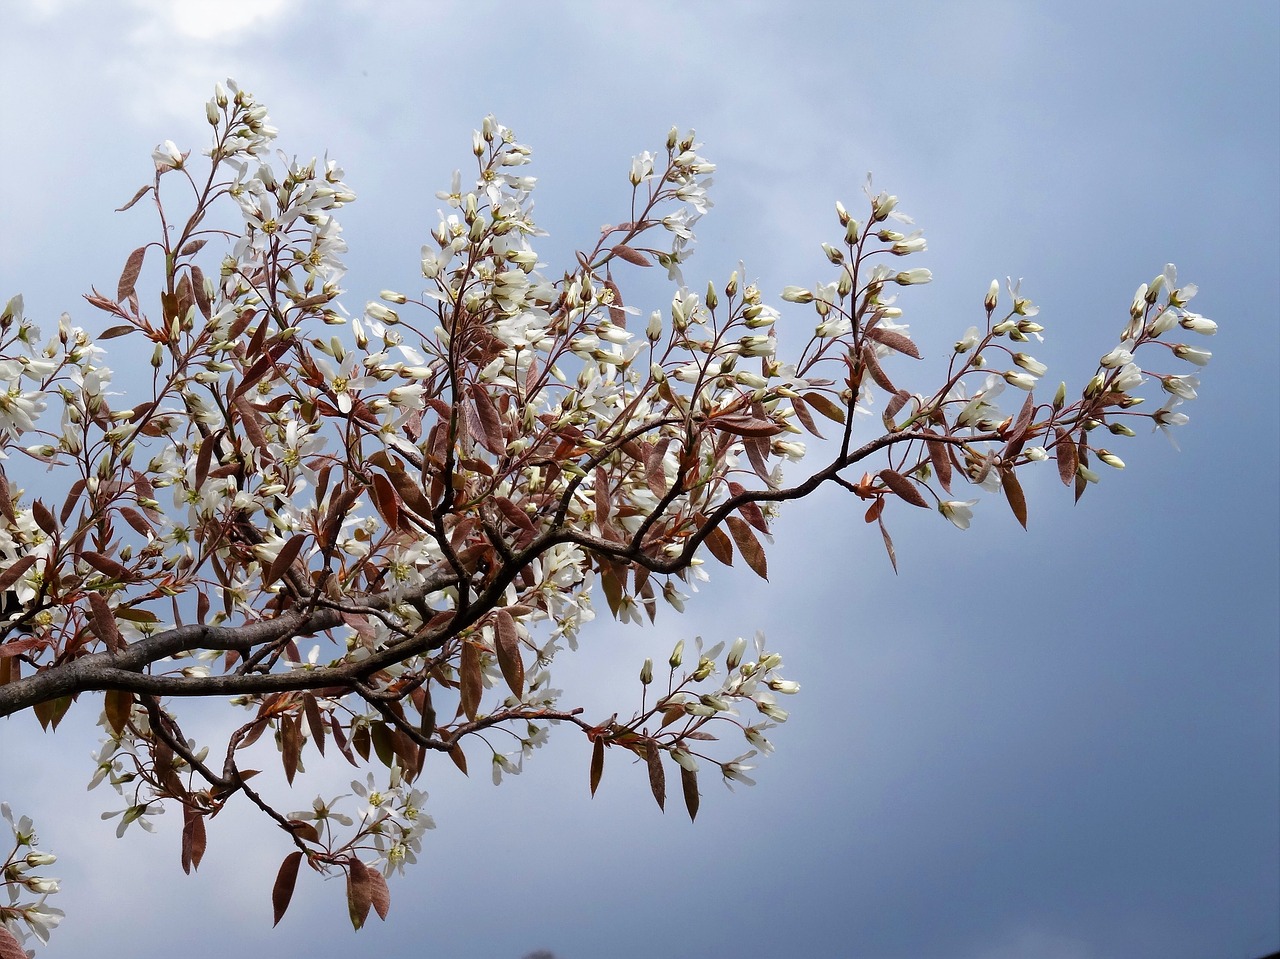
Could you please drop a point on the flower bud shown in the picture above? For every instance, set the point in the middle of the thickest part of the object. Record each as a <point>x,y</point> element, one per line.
<point>734,658</point>
<point>391,296</point>
<point>1111,459</point>
<point>913,277</point>
<point>646,672</point>
<point>992,298</point>
<point>677,654</point>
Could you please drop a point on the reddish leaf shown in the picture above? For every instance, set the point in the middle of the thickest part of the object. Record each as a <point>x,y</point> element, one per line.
<point>14,571</point>
<point>940,457</point>
<point>142,191</point>
<point>290,745</point>
<point>657,777</point>
<point>804,416</point>
<point>51,711</point>
<point>826,407</point>
<point>872,365</point>
<point>105,565</point>
<point>282,891</point>
<point>597,763</point>
<point>379,893</point>
<point>469,677</point>
<point>749,511</point>
<point>719,545</point>
<point>359,892</point>
<point>1013,493</point>
<point>1065,451</point>
<point>1023,422</point>
<point>132,267</point>
<point>44,519</point>
<point>689,784</point>
<point>888,546</point>
<point>10,948</point>
<point>197,283</point>
<point>507,646</point>
<point>895,341</point>
<point>193,839</point>
<point>744,425</point>
<point>748,546</point>
<point>459,758</point>
<point>624,252</point>
<point>284,559</point>
<point>386,501</point>
<point>118,704</point>
<point>104,623</point>
<point>315,720</point>
<point>903,487</point>
<point>490,420</point>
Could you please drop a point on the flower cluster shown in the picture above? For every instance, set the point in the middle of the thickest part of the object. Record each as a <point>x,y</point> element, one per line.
<point>23,917</point>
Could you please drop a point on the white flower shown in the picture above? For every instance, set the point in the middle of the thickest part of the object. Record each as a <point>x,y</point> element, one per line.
<point>1198,324</point>
<point>960,512</point>
<point>1192,354</point>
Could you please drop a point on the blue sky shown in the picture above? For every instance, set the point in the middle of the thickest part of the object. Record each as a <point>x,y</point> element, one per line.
<point>1059,743</point>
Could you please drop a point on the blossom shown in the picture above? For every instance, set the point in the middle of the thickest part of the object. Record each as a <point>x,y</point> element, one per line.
<point>1192,354</point>
<point>960,512</point>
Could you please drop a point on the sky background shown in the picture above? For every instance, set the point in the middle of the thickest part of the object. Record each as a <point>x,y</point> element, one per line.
<point>1059,743</point>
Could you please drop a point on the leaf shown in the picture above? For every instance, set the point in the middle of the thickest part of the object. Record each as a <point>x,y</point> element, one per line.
<point>888,546</point>
<point>657,777</point>
<point>315,720</point>
<point>597,763</point>
<point>744,425</point>
<point>469,678</point>
<point>132,267</point>
<point>51,711</point>
<point>15,570</point>
<point>872,365</point>
<point>940,457</point>
<point>105,565</point>
<point>748,546</point>
<point>903,487</point>
<point>385,501</point>
<point>1065,451</point>
<point>719,545</point>
<point>826,407</point>
<point>804,416</point>
<point>492,438</point>
<point>118,704</point>
<point>290,745</point>
<point>142,191</point>
<point>359,892</point>
<point>895,341</point>
<point>282,891</point>
<point>44,519</point>
<point>1023,422</point>
<point>507,646</point>
<point>104,623</point>
<point>284,559</point>
<point>459,758</point>
<point>379,893</point>
<point>1013,493</point>
<point>197,283</point>
<point>635,257</point>
<point>749,510</point>
<point>193,839</point>
<point>10,948</point>
<point>111,332</point>
<point>689,785</point>
<point>193,247</point>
